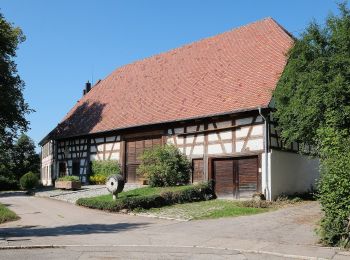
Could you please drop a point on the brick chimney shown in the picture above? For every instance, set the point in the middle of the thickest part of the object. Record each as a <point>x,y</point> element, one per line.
<point>87,88</point>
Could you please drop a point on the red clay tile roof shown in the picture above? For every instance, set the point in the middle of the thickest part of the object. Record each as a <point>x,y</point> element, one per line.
<point>235,70</point>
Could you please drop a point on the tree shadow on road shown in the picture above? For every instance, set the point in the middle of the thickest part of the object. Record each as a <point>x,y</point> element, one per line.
<point>5,194</point>
<point>79,229</point>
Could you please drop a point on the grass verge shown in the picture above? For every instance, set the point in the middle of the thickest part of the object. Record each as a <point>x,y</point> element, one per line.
<point>204,210</point>
<point>6,214</point>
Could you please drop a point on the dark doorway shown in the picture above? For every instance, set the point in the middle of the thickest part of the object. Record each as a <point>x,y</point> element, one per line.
<point>76,168</point>
<point>62,169</point>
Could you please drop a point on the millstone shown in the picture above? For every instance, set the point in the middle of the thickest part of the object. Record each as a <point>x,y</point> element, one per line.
<point>115,184</point>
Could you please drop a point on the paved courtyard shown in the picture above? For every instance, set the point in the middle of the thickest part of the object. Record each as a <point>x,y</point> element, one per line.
<point>62,228</point>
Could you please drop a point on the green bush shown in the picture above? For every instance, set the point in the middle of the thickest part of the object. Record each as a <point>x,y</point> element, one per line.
<point>7,184</point>
<point>164,166</point>
<point>29,181</point>
<point>334,188</point>
<point>98,179</point>
<point>68,178</point>
<point>198,192</point>
<point>102,169</point>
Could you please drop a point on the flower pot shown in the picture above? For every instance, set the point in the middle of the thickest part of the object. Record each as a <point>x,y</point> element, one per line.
<point>68,185</point>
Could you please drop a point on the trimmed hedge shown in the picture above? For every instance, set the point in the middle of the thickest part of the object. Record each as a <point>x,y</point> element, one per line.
<point>198,192</point>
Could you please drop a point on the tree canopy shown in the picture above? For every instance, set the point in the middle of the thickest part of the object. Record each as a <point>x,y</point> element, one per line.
<point>13,108</point>
<point>17,155</point>
<point>24,158</point>
<point>313,92</point>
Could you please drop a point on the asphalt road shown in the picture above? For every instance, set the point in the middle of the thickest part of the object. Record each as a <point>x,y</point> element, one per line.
<point>80,233</point>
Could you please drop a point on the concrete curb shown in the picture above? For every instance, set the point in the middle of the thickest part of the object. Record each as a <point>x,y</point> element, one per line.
<point>29,247</point>
<point>262,252</point>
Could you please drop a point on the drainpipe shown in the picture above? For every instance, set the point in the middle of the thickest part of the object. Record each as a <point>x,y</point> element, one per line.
<point>266,136</point>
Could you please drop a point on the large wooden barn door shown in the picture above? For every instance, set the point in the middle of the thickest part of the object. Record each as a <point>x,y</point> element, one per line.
<point>248,177</point>
<point>134,149</point>
<point>236,177</point>
<point>225,177</point>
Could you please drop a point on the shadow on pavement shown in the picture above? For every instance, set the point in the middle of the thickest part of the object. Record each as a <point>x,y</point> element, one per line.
<point>5,194</point>
<point>80,229</point>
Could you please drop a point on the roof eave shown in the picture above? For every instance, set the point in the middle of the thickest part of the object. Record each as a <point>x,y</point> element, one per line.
<point>162,122</point>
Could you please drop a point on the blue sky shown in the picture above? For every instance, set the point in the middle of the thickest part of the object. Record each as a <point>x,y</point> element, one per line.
<point>70,42</point>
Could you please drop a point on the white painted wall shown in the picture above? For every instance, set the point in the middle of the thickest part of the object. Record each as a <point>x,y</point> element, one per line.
<point>46,175</point>
<point>289,173</point>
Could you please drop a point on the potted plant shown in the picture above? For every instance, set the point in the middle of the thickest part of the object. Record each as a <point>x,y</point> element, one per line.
<point>68,183</point>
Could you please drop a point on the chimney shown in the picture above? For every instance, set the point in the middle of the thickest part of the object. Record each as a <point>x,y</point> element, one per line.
<point>87,88</point>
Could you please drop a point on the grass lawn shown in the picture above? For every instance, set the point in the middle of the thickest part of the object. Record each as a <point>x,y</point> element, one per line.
<point>148,200</point>
<point>205,210</point>
<point>144,191</point>
<point>6,214</point>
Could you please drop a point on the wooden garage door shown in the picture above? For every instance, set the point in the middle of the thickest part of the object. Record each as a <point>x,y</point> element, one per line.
<point>236,177</point>
<point>134,150</point>
<point>248,176</point>
<point>197,170</point>
<point>225,179</point>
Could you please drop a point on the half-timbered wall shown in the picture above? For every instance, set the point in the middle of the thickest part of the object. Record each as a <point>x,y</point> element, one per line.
<point>74,151</point>
<point>76,154</point>
<point>206,139</point>
<point>190,144</point>
<point>219,138</point>
<point>105,148</point>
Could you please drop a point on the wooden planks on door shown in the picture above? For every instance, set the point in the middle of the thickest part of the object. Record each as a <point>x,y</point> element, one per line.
<point>236,177</point>
<point>134,149</point>
<point>197,170</point>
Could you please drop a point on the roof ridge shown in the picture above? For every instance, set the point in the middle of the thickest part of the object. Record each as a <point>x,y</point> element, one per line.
<point>283,29</point>
<point>200,40</point>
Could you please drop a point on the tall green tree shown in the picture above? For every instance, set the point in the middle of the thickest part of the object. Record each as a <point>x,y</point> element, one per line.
<point>314,89</point>
<point>13,108</point>
<point>24,158</point>
<point>312,102</point>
